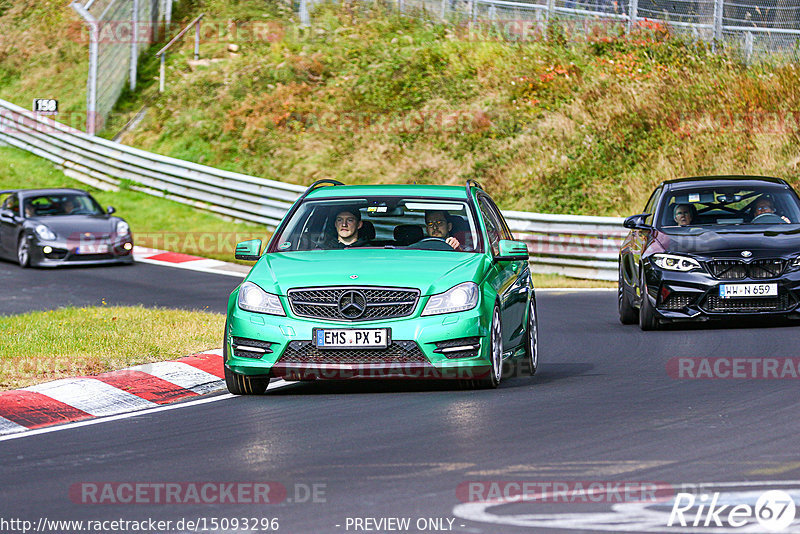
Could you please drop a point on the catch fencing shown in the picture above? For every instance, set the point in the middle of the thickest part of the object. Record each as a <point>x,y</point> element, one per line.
<point>117,31</point>
<point>577,246</point>
<point>756,28</point>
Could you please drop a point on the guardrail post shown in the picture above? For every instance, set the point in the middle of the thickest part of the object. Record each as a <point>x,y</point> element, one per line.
<point>719,7</point>
<point>551,11</point>
<point>444,9</point>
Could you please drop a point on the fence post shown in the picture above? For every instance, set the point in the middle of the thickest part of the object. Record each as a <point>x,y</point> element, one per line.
<point>91,81</point>
<point>551,10</point>
<point>633,13</point>
<point>197,40</point>
<point>305,20</point>
<point>444,9</point>
<point>748,47</point>
<point>718,11</point>
<point>134,44</point>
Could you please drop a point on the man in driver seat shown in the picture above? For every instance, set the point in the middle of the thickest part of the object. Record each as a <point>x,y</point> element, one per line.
<point>348,224</point>
<point>438,226</point>
<point>764,206</point>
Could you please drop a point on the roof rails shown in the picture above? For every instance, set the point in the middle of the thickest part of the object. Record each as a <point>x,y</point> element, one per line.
<point>317,184</point>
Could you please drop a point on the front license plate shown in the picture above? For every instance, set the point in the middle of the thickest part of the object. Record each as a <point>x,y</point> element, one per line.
<point>352,338</point>
<point>92,249</point>
<point>728,291</point>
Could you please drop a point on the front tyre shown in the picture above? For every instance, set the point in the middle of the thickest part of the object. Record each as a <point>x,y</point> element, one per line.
<point>627,313</point>
<point>647,316</point>
<point>23,252</point>
<point>241,384</point>
<point>496,347</point>
<point>532,339</point>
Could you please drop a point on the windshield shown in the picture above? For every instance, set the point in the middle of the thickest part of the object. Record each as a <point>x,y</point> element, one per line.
<point>380,222</point>
<point>62,204</point>
<point>722,207</point>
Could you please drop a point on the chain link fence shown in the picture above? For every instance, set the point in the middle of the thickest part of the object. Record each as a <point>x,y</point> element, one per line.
<point>756,28</point>
<point>117,31</point>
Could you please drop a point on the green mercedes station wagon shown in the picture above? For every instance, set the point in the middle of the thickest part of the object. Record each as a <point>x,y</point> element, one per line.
<point>383,281</point>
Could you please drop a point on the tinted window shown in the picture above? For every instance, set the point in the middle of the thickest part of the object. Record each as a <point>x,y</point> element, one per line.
<point>62,204</point>
<point>494,226</point>
<point>385,222</point>
<point>729,206</point>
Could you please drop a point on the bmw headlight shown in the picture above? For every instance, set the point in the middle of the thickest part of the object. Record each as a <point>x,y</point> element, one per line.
<point>796,262</point>
<point>45,233</point>
<point>123,228</point>
<point>459,298</point>
<point>253,298</point>
<point>672,262</point>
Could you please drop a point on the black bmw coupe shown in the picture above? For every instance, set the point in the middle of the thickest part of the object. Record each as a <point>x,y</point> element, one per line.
<point>51,227</point>
<point>712,248</point>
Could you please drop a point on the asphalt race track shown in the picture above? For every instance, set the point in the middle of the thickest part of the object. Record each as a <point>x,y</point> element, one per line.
<point>603,409</point>
<point>118,285</point>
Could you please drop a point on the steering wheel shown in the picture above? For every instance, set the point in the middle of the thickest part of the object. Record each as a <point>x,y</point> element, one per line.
<point>431,243</point>
<point>768,218</point>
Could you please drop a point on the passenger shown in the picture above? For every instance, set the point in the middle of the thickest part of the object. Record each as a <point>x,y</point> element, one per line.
<point>68,206</point>
<point>684,214</point>
<point>764,206</point>
<point>348,223</point>
<point>438,226</point>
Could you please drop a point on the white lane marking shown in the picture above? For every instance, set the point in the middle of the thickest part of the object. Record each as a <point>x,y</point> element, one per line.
<point>183,375</point>
<point>188,265</point>
<point>623,517</point>
<point>92,396</point>
<point>10,427</point>
<point>58,428</point>
<point>572,289</point>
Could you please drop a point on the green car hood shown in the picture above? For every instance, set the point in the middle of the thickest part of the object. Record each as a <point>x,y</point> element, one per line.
<point>429,271</point>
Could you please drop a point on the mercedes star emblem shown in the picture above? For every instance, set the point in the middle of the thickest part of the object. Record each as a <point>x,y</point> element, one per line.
<point>352,304</point>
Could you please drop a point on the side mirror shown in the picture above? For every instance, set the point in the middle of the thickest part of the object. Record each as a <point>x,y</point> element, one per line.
<point>248,250</point>
<point>512,251</point>
<point>110,210</point>
<point>636,221</point>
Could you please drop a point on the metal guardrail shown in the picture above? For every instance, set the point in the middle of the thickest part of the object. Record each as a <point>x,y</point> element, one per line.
<point>577,246</point>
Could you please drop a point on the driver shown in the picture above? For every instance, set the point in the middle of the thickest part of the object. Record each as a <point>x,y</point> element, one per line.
<point>348,223</point>
<point>438,226</point>
<point>765,206</point>
<point>684,214</point>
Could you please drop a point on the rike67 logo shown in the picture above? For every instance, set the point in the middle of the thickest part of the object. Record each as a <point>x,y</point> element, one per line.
<point>774,511</point>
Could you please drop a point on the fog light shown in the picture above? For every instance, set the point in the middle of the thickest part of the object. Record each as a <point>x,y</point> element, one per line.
<point>127,246</point>
<point>47,250</point>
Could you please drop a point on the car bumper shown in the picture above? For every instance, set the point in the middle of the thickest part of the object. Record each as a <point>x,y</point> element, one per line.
<point>412,355</point>
<point>678,296</point>
<point>56,253</point>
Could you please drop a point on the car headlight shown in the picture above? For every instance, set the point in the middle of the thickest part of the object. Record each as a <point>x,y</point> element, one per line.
<point>796,262</point>
<point>123,228</point>
<point>459,298</point>
<point>253,298</point>
<point>671,262</point>
<point>45,233</point>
